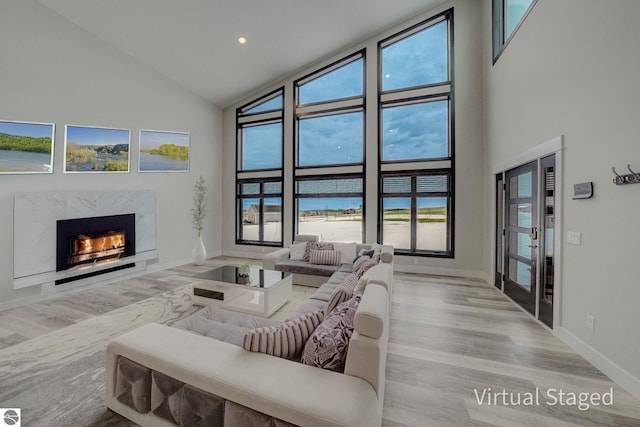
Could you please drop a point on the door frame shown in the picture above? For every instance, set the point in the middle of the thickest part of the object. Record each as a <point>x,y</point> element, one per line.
<point>553,146</point>
<point>526,298</point>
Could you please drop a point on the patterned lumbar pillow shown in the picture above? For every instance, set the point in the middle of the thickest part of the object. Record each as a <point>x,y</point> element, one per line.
<point>285,340</point>
<point>328,345</point>
<point>324,257</point>
<point>316,246</point>
<point>342,292</point>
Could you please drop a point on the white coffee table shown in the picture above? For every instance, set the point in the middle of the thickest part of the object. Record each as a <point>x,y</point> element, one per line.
<point>263,292</point>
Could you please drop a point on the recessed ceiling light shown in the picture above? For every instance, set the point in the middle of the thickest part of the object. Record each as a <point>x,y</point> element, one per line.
<point>242,40</point>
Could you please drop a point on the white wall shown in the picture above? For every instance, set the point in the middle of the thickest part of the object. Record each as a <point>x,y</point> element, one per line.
<point>572,70</point>
<point>468,145</point>
<point>51,71</point>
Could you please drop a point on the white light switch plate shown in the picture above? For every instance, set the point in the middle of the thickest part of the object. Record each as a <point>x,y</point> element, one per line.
<point>574,237</point>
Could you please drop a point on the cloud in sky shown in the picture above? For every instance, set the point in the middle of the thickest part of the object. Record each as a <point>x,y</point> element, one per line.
<point>416,131</point>
<point>417,60</point>
<point>331,140</point>
<point>345,82</point>
<point>262,147</point>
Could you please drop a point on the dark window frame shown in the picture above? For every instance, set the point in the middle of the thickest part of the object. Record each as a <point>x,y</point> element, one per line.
<point>445,96</point>
<point>416,167</point>
<point>414,194</point>
<point>408,32</point>
<point>261,195</point>
<point>499,24</point>
<point>297,196</point>
<point>349,59</point>
<point>331,107</point>
<point>243,120</point>
<point>257,119</point>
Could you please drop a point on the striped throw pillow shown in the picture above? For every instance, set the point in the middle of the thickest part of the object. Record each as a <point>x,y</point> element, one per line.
<point>359,262</point>
<point>316,246</point>
<point>285,340</point>
<point>325,257</point>
<point>343,292</point>
<point>364,266</point>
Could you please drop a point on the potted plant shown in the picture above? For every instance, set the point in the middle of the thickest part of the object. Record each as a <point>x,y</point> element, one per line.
<point>243,269</point>
<point>198,213</point>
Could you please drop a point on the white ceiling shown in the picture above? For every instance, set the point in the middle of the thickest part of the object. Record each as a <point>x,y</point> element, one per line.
<point>194,42</point>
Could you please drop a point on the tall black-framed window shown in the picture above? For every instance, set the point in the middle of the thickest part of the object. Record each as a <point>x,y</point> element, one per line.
<point>260,134</point>
<point>416,139</point>
<point>330,115</point>
<point>331,206</point>
<point>417,211</point>
<point>508,16</point>
<point>330,151</point>
<point>259,170</point>
<point>259,210</point>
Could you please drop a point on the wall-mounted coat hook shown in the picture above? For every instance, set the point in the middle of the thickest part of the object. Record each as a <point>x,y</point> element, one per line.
<point>632,178</point>
<point>636,176</point>
<point>619,179</point>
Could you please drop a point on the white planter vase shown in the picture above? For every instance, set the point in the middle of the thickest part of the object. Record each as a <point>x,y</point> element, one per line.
<point>199,253</point>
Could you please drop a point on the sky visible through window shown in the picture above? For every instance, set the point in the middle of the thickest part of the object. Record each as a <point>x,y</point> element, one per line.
<point>515,12</point>
<point>262,147</point>
<point>415,131</point>
<point>409,131</point>
<point>328,140</point>
<point>345,82</point>
<point>418,60</point>
<point>272,104</point>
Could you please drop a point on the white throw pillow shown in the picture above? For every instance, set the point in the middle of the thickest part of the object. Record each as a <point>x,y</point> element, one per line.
<point>347,252</point>
<point>296,251</point>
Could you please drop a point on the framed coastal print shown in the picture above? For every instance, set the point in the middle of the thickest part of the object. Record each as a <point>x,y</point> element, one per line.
<point>162,151</point>
<point>96,149</point>
<point>26,147</point>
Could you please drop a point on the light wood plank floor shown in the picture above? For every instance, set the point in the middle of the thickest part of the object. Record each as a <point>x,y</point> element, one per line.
<point>451,339</point>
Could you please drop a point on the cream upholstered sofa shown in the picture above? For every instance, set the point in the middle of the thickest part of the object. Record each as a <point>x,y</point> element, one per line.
<point>308,274</point>
<point>158,375</point>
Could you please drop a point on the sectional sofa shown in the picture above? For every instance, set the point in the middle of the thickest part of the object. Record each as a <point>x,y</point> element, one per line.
<point>197,373</point>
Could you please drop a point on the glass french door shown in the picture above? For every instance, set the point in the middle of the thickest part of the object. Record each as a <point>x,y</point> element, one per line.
<point>521,235</point>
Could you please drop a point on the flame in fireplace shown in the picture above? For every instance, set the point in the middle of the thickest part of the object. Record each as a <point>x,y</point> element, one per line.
<point>87,245</point>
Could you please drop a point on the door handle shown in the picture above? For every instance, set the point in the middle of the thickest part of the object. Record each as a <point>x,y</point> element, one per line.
<point>532,246</point>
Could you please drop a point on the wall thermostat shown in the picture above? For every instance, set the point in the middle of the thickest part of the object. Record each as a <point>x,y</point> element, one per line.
<point>584,190</point>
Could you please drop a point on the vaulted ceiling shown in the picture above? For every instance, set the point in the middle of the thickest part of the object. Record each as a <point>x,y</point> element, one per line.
<point>195,42</point>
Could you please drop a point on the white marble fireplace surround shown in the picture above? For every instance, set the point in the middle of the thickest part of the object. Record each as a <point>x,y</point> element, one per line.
<point>34,236</point>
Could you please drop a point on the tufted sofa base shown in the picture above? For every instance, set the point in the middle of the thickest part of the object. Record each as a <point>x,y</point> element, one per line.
<point>144,390</point>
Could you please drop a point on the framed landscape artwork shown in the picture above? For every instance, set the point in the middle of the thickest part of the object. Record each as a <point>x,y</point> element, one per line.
<point>162,151</point>
<point>26,147</point>
<point>96,149</point>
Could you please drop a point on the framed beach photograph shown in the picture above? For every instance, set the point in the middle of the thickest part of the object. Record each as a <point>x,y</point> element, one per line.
<point>26,147</point>
<point>163,151</point>
<point>96,149</point>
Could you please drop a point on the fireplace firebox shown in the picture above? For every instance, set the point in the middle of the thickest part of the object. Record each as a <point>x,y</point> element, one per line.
<point>94,240</point>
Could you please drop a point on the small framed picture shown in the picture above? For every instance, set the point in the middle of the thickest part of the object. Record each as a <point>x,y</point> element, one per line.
<point>26,147</point>
<point>163,151</point>
<point>96,149</point>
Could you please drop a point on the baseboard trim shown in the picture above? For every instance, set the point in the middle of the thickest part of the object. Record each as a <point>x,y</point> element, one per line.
<point>618,374</point>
